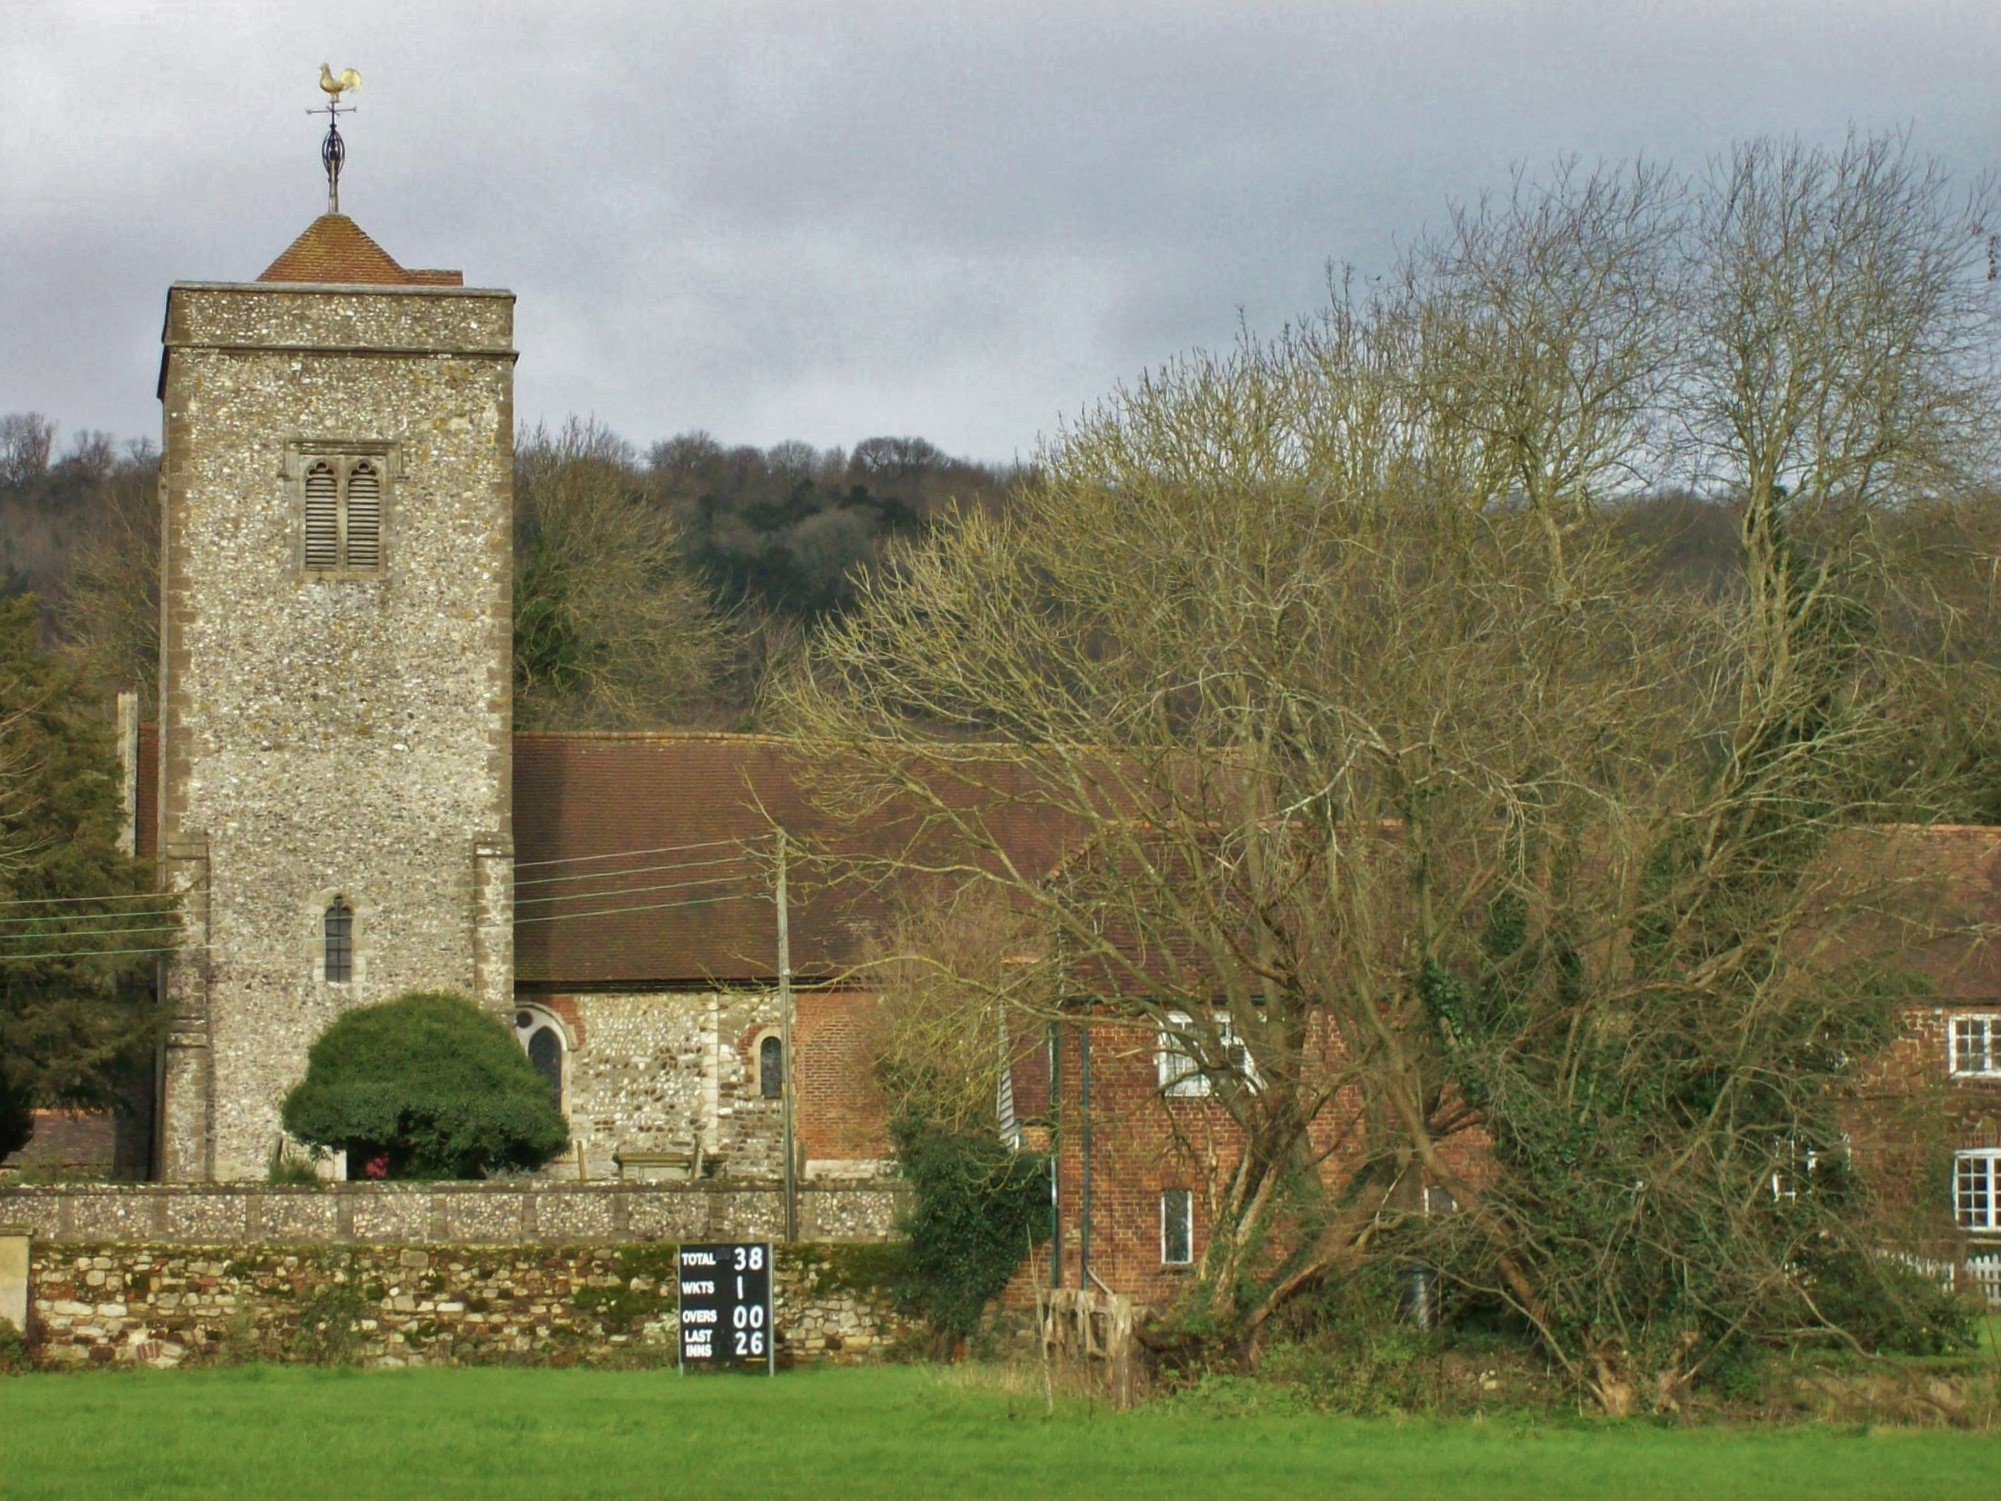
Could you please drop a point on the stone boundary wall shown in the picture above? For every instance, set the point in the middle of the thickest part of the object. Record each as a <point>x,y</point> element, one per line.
<point>379,1305</point>
<point>504,1213</point>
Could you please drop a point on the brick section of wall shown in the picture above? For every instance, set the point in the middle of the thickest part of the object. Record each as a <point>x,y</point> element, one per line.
<point>1144,1143</point>
<point>842,1115</point>
<point>166,1306</point>
<point>1905,1119</point>
<point>1909,1114</point>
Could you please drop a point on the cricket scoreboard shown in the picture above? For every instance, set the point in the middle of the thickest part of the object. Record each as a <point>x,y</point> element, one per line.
<point>726,1307</point>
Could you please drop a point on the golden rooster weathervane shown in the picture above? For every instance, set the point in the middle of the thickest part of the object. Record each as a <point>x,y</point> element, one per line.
<point>333,150</point>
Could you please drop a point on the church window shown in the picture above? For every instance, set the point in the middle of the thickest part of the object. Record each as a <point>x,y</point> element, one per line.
<point>339,930</point>
<point>771,1068</point>
<point>343,512</point>
<point>541,1037</point>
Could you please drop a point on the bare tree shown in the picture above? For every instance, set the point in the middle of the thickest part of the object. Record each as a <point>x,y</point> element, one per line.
<point>108,614</point>
<point>611,628</point>
<point>1451,845</point>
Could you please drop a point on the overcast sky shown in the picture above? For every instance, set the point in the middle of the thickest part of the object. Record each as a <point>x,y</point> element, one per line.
<point>964,222</point>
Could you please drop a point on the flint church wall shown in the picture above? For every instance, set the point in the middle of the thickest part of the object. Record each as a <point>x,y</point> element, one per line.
<point>328,733</point>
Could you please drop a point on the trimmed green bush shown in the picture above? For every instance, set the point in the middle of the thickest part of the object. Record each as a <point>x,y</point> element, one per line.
<point>425,1086</point>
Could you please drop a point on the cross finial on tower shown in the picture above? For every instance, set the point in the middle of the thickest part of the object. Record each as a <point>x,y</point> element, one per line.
<point>333,150</point>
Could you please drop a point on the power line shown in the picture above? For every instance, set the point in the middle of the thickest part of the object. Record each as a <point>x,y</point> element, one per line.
<point>664,849</point>
<point>67,917</point>
<point>588,896</point>
<point>97,953</point>
<point>109,896</point>
<point>102,933</point>
<point>637,870</point>
<point>699,901</point>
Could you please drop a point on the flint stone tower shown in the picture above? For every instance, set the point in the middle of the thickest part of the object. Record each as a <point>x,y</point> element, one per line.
<point>335,576</point>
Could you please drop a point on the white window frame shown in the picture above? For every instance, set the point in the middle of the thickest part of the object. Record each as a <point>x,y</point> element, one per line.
<point>1180,1078</point>
<point>1180,1075</point>
<point>1187,1226</point>
<point>1795,1172</point>
<point>1980,1056</point>
<point>1976,1188</point>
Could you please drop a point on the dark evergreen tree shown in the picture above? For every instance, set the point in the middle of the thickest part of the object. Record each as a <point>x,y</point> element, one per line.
<point>79,925</point>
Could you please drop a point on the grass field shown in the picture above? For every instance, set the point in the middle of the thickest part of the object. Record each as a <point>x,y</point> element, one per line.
<point>880,1434</point>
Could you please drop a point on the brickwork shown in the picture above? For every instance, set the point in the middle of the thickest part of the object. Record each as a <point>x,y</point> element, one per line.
<point>843,1121</point>
<point>166,1306</point>
<point>1143,1143</point>
<point>1910,1113</point>
<point>663,1075</point>
<point>1904,1121</point>
<point>323,735</point>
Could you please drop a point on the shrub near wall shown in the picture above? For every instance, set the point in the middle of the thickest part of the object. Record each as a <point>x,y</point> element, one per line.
<point>170,1306</point>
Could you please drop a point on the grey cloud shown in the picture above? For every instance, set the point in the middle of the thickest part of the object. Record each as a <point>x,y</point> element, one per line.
<point>826,222</point>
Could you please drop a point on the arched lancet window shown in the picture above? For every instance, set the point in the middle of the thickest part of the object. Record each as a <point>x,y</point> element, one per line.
<point>771,1068</point>
<point>542,1038</point>
<point>322,516</point>
<point>339,931</point>
<point>363,531</point>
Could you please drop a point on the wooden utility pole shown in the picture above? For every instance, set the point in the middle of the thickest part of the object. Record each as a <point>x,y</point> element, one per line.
<point>785,1048</point>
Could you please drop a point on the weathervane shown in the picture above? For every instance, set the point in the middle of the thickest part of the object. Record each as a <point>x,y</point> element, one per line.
<point>333,150</point>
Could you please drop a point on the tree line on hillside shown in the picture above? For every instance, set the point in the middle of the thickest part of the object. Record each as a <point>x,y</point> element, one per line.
<point>647,588</point>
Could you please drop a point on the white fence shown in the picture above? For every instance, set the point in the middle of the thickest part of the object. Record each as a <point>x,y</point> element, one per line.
<point>1979,1276</point>
<point>1983,1277</point>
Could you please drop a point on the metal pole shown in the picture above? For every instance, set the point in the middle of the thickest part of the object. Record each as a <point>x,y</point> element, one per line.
<point>1084,1196</point>
<point>785,1046</point>
<point>1055,1155</point>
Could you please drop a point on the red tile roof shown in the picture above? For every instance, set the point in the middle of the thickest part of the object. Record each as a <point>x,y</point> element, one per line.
<point>1936,894</point>
<point>336,249</point>
<point>644,860</point>
<point>671,837</point>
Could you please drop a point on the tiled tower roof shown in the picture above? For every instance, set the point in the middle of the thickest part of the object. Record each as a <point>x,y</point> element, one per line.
<point>336,249</point>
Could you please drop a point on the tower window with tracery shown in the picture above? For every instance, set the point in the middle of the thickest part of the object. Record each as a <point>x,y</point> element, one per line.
<point>343,514</point>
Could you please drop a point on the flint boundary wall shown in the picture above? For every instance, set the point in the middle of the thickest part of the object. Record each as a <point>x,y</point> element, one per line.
<point>394,1275</point>
<point>529,1212</point>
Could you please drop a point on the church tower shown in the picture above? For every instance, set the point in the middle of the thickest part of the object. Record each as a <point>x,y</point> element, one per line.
<point>335,586</point>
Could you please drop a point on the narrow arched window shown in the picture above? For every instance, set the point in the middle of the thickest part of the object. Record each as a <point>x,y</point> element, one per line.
<point>771,1068</point>
<point>541,1037</point>
<point>363,517</point>
<point>339,930</point>
<point>322,516</point>
<point>545,1051</point>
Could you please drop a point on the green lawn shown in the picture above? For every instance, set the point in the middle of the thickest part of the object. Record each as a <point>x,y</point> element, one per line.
<point>880,1434</point>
